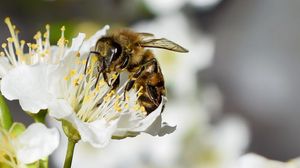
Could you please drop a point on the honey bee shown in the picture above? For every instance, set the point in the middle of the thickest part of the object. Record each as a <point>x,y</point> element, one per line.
<point>125,50</point>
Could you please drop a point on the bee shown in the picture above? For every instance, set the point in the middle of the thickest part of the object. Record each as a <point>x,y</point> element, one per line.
<point>126,50</point>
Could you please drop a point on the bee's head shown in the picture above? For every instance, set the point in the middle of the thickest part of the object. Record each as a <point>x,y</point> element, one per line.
<point>108,49</point>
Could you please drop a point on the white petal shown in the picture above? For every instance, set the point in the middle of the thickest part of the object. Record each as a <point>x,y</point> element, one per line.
<point>28,84</point>
<point>252,160</point>
<point>159,128</point>
<point>151,118</point>
<point>36,142</point>
<point>97,133</point>
<point>59,108</point>
<point>5,66</point>
<point>88,44</point>
<point>152,124</point>
<point>77,42</point>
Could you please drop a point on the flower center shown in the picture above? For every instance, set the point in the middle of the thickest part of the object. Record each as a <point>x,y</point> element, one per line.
<point>7,150</point>
<point>92,101</point>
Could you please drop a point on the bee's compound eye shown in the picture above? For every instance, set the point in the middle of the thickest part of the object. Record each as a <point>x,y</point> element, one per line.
<point>116,51</point>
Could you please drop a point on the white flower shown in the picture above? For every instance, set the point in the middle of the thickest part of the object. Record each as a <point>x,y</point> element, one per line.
<point>35,143</point>
<point>70,94</point>
<point>251,160</point>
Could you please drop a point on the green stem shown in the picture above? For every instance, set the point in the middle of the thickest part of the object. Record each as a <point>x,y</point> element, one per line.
<point>70,152</point>
<point>40,116</point>
<point>44,163</point>
<point>5,116</point>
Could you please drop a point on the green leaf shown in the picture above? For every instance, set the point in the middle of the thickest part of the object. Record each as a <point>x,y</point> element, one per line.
<point>5,116</point>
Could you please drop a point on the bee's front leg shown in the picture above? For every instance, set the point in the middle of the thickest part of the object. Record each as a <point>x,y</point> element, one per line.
<point>88,59</point>
<point>116,82</point>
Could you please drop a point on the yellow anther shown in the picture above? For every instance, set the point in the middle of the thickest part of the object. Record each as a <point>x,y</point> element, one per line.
<point>3,45</point>
<point>126,106</point>
<point>46,35</point>
<point>34,46</point>
<point>10,39</point>
<point>29,45</point>
<point>2,53</point>
<point>117,107</point>
<point>72,72</point>
<point>7,20</point>
<point>63,28</point>
<point>37,35</point>
<point>22,42</point>
<point>47,26</point>
<point>136,107</point>
<point>47,51</point>
<point>18,52</point>
<point>67,77</point>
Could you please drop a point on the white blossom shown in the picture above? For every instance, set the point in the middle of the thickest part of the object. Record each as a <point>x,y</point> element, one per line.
<point>251,160</point>
<point>69,93</point>
<point>35,143</point>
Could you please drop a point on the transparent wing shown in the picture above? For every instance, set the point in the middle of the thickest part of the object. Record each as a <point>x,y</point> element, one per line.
<point>164,44</point>
<point>144,36</point>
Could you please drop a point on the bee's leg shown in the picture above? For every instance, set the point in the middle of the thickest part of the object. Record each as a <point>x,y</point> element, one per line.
<point>116,83</point>
<point>106,78</point>
<point>128,86</point>
<point>88,59</point>
<point>100,70</point>
<point>132,80</point>
<point>153,95</point>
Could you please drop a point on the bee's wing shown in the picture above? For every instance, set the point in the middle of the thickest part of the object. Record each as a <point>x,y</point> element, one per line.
<point>145,35</point>
<point>164,44</point>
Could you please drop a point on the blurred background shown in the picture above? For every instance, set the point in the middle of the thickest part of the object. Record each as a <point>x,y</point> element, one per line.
<point>236,91</point>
